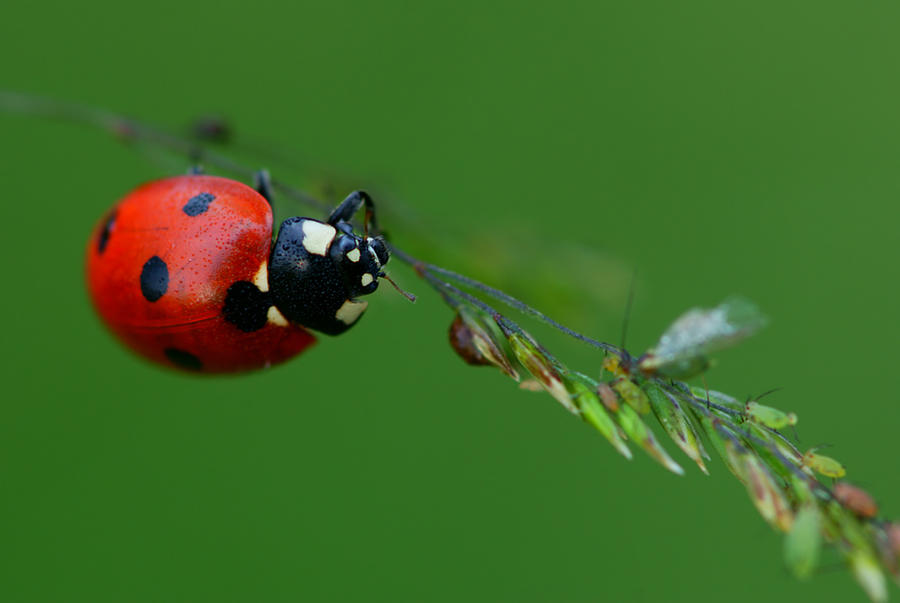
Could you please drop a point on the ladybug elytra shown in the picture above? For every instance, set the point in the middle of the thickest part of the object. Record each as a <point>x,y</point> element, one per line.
<point>183,270</point>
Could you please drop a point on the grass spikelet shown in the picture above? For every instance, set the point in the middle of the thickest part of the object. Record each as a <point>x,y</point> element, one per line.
<point>856,500</point>
<point>868,574</point>
<point>632,394</point>
<point>803,541</point>
<point>638,431</point>
<point>890,549</point>
<point>676,423</point>
<point>542,369</point>
<point>478,341</point>
<point>766,493</point>
<point>594,413</point>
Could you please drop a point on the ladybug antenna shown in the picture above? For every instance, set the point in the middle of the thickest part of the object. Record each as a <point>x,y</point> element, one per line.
<point>402,292</point>
<point>626,319</point>
<point>628,304</point>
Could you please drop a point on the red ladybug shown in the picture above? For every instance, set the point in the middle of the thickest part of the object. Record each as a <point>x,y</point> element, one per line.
<point>184,272</point>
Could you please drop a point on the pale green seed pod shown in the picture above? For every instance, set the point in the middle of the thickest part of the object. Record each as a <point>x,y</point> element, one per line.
<point>803,541</point>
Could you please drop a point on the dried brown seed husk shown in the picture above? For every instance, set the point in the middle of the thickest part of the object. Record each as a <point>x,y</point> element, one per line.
<point>855,499</point>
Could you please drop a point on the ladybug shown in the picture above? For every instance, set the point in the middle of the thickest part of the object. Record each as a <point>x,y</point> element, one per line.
<point>183,270</point>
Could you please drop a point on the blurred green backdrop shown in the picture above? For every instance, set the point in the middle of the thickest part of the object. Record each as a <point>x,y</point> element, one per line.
<point>716,148</point>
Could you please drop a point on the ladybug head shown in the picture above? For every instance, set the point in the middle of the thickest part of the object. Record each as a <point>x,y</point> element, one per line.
<point>360,260</point>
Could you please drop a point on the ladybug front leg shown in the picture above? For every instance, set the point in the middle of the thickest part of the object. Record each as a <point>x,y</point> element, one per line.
<point>262,182</point>
<point>349,206</point>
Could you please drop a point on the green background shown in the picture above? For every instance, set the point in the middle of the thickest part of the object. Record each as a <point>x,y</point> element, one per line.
<point>713,147</point>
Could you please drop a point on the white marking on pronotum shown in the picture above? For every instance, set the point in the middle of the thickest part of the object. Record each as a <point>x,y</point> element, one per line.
<point>276,318</point>
<point>367,279</point>
<point>317,236</point>
<point>353,255</point>
<point>350,311</point>
<point>261,278</point>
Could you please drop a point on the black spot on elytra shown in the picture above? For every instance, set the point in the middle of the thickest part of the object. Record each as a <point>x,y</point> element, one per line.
<point>103,239</point>
<point>246,307</point>
<point>154,279</point>
<point>183,359</point>
<point>198,204</point>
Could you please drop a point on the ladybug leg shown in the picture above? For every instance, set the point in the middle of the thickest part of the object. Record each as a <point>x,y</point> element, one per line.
<point>349,206</point>
<point>196,170</point>
<point>345,227</point>
<point>262,182</point>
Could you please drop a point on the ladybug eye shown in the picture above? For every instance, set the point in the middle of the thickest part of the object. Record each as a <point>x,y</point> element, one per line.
<point>379,250</point>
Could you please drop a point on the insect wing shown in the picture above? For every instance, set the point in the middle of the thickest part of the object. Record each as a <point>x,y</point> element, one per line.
<point>682,349</point>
